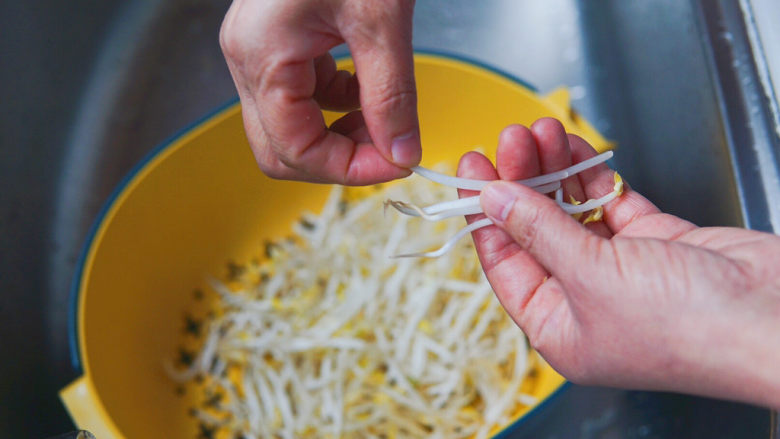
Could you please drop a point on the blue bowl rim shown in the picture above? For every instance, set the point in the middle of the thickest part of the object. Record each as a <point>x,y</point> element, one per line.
<point>75,286</point>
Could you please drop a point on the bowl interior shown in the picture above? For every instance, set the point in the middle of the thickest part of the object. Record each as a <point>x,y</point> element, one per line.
<point>201,202</point>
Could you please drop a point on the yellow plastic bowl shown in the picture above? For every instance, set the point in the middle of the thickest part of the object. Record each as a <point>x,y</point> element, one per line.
<point>200,201</point>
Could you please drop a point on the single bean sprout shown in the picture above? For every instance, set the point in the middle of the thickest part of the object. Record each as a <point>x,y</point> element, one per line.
<point>476,225</point>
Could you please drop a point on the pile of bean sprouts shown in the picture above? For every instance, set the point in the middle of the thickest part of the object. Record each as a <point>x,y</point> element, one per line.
<point>330,336</point>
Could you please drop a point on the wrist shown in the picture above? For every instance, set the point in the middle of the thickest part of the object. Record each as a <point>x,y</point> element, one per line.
<point>730,360</point>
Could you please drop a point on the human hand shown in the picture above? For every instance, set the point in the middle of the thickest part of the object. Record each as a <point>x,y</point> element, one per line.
<point>277,52</point>
<point>641,300</point>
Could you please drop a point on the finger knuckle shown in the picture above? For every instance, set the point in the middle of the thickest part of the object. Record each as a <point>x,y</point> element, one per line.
<point>269,169</point>
<point>290,159</point>
<point>366,15</point>
<point>275,172</point>
<point>239,31</point>
<point>230,41</point>
<point>291,154</point>
<point>394,96</point>
<point>270,164</point>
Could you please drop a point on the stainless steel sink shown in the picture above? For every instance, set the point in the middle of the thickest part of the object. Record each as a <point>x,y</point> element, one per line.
<point>88,88</point>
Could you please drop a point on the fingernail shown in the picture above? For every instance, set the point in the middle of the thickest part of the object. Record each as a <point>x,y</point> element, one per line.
<point>498,199</point>
<point>406,150</point>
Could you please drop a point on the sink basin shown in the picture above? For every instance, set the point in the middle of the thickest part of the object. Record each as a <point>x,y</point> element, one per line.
<point>673,83</point>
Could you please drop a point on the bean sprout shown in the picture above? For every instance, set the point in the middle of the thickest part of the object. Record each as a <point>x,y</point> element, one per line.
<point>478,185</point>
<point>470,205</point>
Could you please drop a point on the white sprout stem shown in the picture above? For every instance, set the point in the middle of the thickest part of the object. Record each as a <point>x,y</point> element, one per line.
<point>467,206</point>
<point>568,172</point>
<point>476,225</point>
<point>477,185</point>
<point>589,163</point>
<point>474,200</point>
<point>454,204</point>
<point>590,204</point>
<point>459,207</point>
<point>448,180</point>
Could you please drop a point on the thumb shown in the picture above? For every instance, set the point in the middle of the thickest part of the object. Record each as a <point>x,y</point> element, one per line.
<point>558,242</point>
<point>384,62</point>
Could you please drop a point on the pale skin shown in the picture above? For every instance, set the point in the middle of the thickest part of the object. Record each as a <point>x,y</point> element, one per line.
<point>640,300</point>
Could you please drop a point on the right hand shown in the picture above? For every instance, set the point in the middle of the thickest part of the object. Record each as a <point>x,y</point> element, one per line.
<point>277,52</point>
<point>641,300</point>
